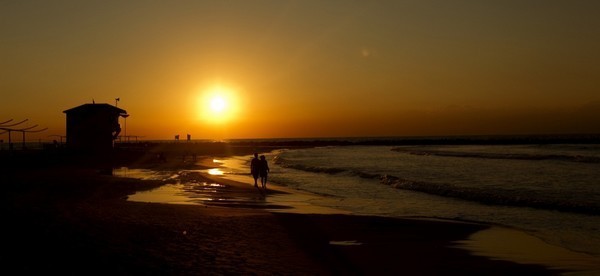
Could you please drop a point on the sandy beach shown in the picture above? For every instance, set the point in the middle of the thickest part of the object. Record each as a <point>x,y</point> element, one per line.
<point>73,219</point>
<point>398,137</point>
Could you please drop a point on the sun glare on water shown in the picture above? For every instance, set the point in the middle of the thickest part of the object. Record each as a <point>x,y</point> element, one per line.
<point>217,105</point>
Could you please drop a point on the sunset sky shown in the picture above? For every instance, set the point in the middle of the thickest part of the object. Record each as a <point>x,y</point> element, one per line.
<point>306,68</point>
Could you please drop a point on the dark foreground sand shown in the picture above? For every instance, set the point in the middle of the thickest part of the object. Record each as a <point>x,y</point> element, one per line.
<point>73,220</point>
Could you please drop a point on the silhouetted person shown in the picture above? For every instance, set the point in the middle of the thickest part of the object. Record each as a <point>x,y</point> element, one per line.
<point>263,171</point>
<point>255,168</point>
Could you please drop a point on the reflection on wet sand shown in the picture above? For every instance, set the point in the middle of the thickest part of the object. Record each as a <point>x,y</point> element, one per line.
<point>198,187</point>
<point>501,243</point>
<point>143,174</point>
<point>192,187</point>
<point>215,171</point>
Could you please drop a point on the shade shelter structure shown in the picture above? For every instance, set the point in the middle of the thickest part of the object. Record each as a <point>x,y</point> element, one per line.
<point>8,126</point>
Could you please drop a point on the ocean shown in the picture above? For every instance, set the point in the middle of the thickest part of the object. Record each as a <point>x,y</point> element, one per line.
<point>549,191</point>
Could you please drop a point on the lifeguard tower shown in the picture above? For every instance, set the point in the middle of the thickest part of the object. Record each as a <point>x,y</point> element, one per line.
<point>93,127</point>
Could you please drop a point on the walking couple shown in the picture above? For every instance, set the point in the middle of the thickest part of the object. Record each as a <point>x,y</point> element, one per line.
<point>259,168</point>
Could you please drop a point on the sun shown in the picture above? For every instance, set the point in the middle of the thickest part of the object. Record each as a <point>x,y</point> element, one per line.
<point>217,105</point>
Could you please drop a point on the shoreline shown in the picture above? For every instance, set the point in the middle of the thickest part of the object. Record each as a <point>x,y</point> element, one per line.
<point>292,207</point>
<point>67,219</point>
<point>481,243</point>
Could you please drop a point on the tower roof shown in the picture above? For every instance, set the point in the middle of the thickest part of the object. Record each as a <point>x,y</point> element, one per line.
<point>94,107</point>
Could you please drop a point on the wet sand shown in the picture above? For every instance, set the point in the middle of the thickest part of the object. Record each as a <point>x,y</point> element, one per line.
<point>73,220</point>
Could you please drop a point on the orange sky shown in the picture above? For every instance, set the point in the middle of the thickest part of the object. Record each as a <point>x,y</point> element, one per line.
<point>307,68</point>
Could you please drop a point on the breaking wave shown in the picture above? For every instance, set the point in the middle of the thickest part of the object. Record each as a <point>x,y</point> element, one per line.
<point>316,169</point>
<point>489,155</point>
<point>516,198</point>
<point>496,197</point>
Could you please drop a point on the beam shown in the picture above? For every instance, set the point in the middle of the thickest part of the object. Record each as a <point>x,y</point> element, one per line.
<point>14,124</point>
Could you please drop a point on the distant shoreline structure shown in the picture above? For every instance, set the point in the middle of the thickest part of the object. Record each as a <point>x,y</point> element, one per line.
<point>411,140</point>
<point>593,138</point>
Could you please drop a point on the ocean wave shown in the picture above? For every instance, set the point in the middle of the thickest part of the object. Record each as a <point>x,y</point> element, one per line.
<point>365,175</point>
<point>490,155</point>
<point>495,197</point>
<point>316,169</point>
<point>328,170</point>
<point>503,197</point>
